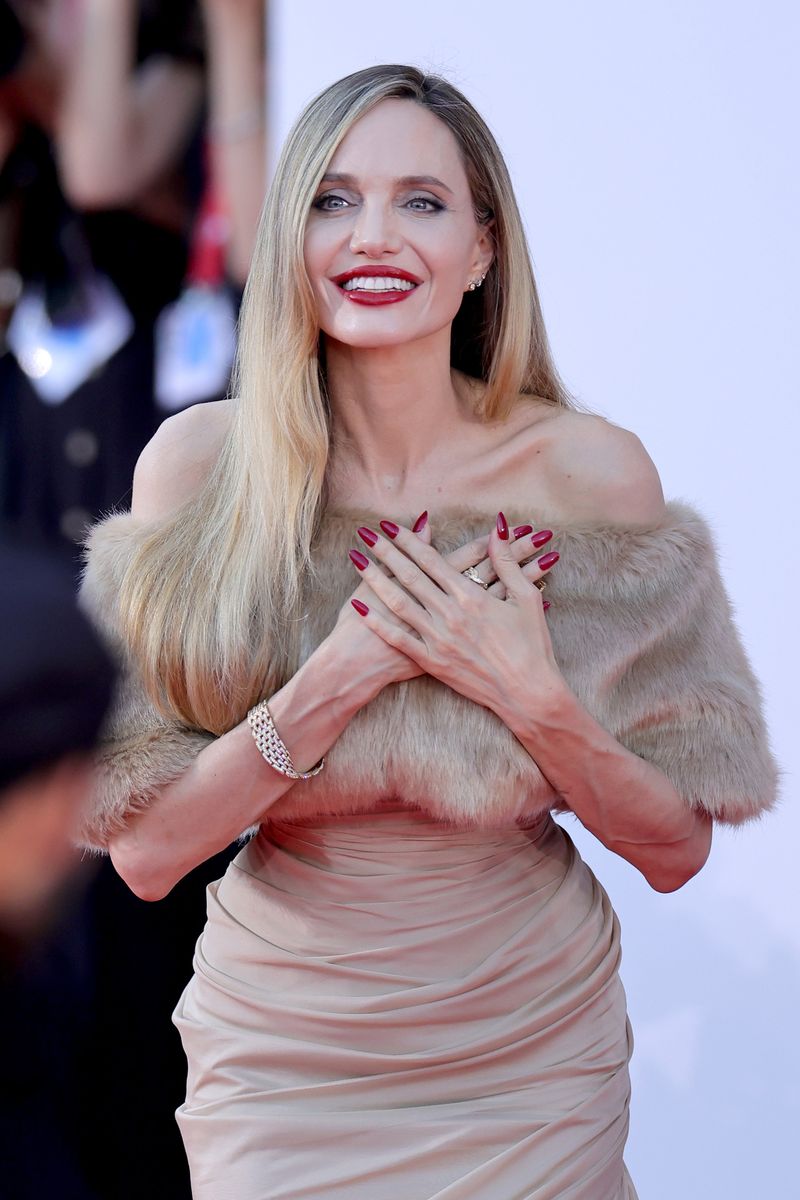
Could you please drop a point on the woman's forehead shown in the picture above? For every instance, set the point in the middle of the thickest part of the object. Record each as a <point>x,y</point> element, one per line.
<point>399,138</point>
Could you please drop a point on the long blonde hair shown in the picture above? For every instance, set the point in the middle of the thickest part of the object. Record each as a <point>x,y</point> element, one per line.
<point>211,601</point>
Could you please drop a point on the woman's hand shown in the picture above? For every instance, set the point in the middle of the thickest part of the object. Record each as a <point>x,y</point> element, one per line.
<point>358,647</point>
<point>356,643</point>
<point>479,643</point>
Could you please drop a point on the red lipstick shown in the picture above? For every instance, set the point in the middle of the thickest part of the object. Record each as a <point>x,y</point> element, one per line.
<point>390,296</point>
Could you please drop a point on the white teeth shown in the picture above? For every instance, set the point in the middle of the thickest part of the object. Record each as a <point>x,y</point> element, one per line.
<point>377,283</point>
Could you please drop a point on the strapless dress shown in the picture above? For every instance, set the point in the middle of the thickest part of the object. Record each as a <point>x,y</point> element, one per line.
<point>386,1008</point>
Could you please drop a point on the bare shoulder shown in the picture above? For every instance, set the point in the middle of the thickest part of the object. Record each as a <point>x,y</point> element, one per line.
<point>176,461</point>
<point>601,472</point>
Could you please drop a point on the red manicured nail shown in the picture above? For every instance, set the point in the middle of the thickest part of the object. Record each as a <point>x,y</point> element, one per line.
<point>366,535</point>
<point>360,560</point>
<point>502,526</point>
<point>421,522</point>
<point>542,537</point>
<point>522,531</point>
<point>547,560</point>
<point>390,529</point>
<point>360,607</point>
<point>545,604</point>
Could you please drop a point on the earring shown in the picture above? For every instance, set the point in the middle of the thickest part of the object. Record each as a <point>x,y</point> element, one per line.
<point>476,283</point>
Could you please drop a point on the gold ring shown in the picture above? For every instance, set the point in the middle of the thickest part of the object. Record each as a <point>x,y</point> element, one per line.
<point>541,584</point>
<point>472,574</point>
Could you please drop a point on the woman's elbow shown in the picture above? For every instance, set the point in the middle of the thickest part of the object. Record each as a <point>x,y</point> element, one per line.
<point>674,865</point>
<point>135,866</point>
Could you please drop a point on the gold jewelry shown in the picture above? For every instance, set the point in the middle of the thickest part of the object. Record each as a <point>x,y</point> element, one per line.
<point>541,584</point>
<point>272,746</point>
<point>472,574</point>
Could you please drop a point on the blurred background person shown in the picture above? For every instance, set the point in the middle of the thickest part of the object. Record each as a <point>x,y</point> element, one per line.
<point>97,253</point>
<point>132,171</point>
<point>55,686</point>
<point>132,163</point>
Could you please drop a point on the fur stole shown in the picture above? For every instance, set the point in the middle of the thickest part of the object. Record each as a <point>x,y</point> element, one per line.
<point>643,633</point>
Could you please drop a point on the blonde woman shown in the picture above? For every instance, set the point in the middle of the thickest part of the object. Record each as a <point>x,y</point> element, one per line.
<point>329,595</point>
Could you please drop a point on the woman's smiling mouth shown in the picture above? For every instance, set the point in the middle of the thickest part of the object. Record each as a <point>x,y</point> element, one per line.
<point>377,285</point>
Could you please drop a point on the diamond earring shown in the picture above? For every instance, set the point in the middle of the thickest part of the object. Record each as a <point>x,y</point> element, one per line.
<point>476,283</point>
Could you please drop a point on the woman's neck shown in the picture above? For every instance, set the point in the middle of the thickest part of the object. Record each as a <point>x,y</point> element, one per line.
<point>395,410</point>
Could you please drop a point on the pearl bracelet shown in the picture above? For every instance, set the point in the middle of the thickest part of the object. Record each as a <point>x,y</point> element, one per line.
<point>272,746</point>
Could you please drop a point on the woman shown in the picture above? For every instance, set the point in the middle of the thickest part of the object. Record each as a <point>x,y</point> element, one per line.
<point>408,982</point>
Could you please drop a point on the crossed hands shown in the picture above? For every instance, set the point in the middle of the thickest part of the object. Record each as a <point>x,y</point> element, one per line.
<point>488,644</point>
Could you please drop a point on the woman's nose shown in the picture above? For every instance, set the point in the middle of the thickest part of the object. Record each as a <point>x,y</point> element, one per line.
<point>375,232</point>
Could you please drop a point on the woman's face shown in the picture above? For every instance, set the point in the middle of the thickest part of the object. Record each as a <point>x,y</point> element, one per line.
<point>395,195</point>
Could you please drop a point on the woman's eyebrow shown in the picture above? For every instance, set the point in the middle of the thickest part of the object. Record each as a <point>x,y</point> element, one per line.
<point>403,181</point>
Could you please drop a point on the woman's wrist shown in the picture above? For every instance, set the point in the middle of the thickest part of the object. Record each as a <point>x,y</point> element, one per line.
<point>315,706</point>
<point>348,680</point>
<point>542,704</point>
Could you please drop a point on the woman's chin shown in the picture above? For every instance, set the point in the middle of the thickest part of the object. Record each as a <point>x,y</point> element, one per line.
<point>371,339</point>
<point>368,335</point>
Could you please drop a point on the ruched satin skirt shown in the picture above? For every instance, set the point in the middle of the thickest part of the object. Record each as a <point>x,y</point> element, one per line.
<point>384,1008</point>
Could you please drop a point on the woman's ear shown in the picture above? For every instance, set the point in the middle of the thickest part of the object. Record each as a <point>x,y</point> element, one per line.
<point>486,246</point>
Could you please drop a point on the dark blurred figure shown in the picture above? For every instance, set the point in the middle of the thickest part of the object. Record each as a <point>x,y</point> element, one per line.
<point>132,170</point>
<point>55,686</point>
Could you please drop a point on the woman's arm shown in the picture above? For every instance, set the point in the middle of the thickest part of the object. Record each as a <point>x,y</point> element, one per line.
<point>119,127</point>
<point>626,802</point>
<point>229,786</point>
<point>225,786</point>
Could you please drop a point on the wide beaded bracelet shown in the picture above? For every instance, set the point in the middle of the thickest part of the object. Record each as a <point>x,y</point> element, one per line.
<point>272,746</point>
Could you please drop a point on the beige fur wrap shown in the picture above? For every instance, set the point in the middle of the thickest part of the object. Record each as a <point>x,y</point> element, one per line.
<point>642,631</point>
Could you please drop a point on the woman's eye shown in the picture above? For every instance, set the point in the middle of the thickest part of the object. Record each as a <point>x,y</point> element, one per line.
<point>321,202</point>
<point>435,204</point>
<point>330,202</point>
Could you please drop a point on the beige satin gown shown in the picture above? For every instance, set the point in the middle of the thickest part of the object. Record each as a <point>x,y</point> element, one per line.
<point>385,1008</point>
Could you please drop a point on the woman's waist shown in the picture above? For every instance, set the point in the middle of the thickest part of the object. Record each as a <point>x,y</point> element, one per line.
<point>392,887</point>
<point>355,856</point>
<point>390,826</point>
<point>365,810</point>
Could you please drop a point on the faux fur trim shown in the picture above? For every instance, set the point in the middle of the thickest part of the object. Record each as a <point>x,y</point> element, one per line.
<point>643,633</point>
<point>140,750</point>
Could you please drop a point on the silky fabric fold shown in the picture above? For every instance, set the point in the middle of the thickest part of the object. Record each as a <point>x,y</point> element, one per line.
<point>384,1008</point>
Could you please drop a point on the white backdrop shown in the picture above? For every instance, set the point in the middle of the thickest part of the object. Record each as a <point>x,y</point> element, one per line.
<point>653,149</point>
